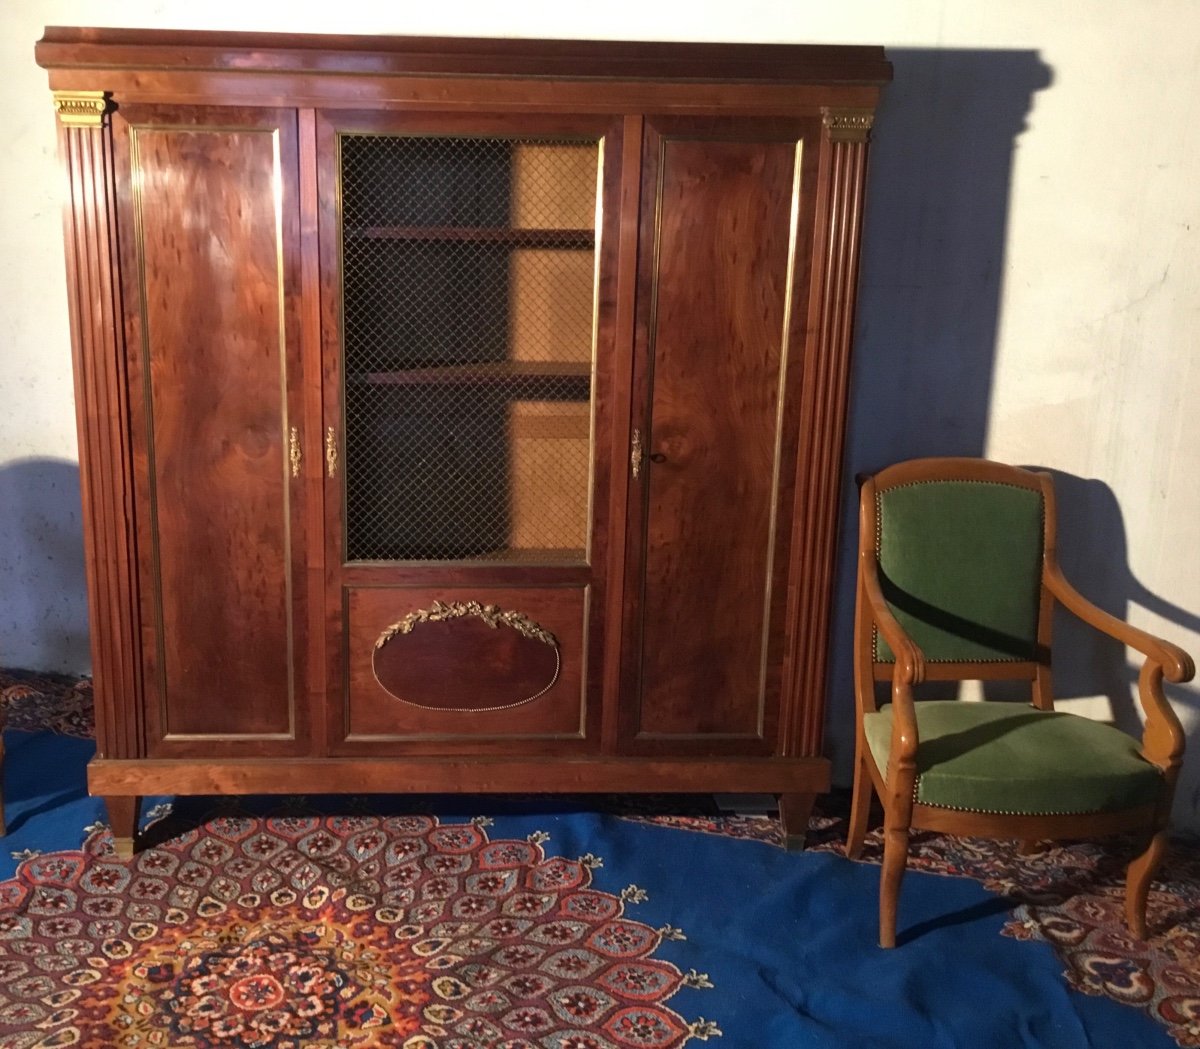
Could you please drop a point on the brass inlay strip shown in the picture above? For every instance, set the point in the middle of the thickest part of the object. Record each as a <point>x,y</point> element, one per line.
<point>598,248</point>
<point>785,345</point>
<point>81,108</point>
<point>289,589</point>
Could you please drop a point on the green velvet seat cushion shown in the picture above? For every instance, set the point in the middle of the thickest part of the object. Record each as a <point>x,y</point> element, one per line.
<point>960,565</point>
<point>1012,758</point>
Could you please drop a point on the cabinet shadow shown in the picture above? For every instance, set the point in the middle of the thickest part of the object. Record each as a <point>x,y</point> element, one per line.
<point>43,611</point>
<point>928,313</point>
<point>936,223</point>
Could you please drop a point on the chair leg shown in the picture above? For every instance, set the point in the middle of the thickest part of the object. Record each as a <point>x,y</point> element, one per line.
<point>860,807</point>
<point>1137,883</point>
<point>895,859</point>
<point>1028,847</point>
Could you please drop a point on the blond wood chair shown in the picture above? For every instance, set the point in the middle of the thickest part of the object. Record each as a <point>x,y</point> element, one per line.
<point>957,579</point>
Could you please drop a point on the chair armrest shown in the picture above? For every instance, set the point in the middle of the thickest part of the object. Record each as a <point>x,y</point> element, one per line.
<point>1163,738</point>
<point>1177,665</point>
<point>910,660</point>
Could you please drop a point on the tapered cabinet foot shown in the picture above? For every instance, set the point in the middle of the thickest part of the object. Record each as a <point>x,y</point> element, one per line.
<point>123,813</point>
<point>794,813</point>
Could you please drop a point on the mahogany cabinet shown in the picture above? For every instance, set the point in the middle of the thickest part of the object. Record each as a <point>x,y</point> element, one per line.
<point>459,415</point>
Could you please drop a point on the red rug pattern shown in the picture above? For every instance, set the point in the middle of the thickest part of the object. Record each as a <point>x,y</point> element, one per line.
<point>296,932</point>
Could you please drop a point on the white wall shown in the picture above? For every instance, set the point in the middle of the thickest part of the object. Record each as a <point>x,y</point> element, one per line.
<point>1031,289</point>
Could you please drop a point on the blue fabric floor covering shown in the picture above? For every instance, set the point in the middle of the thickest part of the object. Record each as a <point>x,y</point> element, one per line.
<point>786,940</point>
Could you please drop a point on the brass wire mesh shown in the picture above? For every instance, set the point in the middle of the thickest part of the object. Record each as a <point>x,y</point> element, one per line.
<point>468,275</point>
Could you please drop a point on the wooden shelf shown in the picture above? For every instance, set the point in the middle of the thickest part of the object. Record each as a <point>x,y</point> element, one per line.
<point>501,236</point>
<point>500,372</point>
<point>516,557</point>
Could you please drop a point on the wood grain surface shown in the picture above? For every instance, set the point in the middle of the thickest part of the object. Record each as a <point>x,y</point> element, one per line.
<point>210,238</point>
<point>723,205</point>
<point>457,670</point>
<point>233,635</point>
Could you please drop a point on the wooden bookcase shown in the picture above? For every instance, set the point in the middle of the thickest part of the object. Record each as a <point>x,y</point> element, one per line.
<point>459,415</point>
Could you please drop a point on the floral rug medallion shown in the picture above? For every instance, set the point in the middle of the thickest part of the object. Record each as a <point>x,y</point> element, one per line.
<point>293,932</point>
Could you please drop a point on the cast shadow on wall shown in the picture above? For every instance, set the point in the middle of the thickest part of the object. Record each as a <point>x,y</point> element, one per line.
<point>936,221</point>
<point>937,215</point>
<point>43,591</point>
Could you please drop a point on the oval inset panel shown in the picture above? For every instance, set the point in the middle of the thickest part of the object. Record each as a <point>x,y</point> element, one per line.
<point>467,657</point>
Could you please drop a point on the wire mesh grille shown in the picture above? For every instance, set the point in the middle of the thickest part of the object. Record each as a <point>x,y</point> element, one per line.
<point>468,275</point>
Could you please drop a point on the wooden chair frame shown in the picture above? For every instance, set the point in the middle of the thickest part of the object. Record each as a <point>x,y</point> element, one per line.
<point>1162,739</point>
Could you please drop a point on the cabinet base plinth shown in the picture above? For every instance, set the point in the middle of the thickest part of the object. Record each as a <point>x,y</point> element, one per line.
<point>476,775</point>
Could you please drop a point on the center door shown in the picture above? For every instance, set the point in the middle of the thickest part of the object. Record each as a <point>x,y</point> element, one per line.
<point>465,264</point>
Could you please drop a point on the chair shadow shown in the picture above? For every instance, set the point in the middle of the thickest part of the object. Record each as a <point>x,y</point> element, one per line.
<point>925,341</point>
<point>952,745</point>
<point>984,909</point>
<point>1093,553</point>
<point>44,613</point>
<point>65,797</point>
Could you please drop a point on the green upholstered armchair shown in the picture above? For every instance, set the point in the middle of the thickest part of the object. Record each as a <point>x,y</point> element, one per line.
<point>957,579</point>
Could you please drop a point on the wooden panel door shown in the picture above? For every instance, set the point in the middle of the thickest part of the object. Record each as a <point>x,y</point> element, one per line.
<point>210,260</point>
<point>727,213</point>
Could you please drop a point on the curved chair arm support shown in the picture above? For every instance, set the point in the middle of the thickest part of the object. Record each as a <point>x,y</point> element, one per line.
<point>902,756</point>
<point>1176,664</point>
<point>910,660</point>
<point>1163,737</point>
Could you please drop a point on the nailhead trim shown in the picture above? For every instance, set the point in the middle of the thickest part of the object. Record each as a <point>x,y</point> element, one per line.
<point>1003,812</point>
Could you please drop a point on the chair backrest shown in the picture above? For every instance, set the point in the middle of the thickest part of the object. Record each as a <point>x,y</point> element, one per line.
<point>959,544</point>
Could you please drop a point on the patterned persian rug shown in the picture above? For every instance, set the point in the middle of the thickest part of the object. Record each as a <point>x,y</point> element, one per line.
<point>33,702</point>
<point>550,923</point>
<point>300,931</point>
